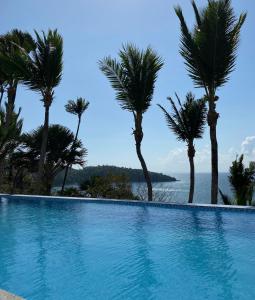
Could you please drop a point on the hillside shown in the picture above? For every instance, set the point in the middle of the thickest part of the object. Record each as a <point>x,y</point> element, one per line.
<point>135,175</point>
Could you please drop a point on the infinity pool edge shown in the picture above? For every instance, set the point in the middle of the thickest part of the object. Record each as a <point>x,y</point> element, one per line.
<point>131,202</point>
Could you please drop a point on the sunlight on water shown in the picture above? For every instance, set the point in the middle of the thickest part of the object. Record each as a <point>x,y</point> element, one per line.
<point>178,191</point>
<point>72,250</point>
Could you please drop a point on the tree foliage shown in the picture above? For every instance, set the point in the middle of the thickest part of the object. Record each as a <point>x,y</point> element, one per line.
<point>9,136</point>
<point>188,121</point>
<point>242,181</point>
<point>134,175</point>
<point>58,155</point>
<point>77,107</point>
<point>133,76</point>
<point>110,186</point>
<point>41,69</point>
<point>210,48</point>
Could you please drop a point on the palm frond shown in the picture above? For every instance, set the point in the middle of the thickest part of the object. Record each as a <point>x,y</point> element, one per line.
<point>197,13</point>
<point>42,70</point>
<point>173,125</point>
<point>187,122</point>
<point>190,52</point>
<point>77,107</point>
<point>62,153</point>
<point>210,49</point>
<point>13,46</point>
<point>9,135</point>
<point>118,79</point>
<point>133,76</point>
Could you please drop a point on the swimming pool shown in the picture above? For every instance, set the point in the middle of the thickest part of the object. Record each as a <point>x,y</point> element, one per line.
<point>79,250</point>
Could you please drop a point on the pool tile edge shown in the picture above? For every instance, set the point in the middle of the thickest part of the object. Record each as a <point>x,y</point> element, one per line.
<point>133,202</point>
<point>8,296</point>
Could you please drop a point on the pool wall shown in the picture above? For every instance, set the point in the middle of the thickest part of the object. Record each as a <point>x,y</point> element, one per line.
<point>129,202</point>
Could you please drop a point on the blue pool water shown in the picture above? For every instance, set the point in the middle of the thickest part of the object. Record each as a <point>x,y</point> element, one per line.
<point>76,250</point>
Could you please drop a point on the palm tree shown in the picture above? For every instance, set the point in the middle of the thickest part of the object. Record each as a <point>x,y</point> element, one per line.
<point>76,108</point>
<point>9,137</point>
<point>133,77</point>
<point>12,45</point>
<point>187,123</point>
<point>210,51</point>
<point>242,182</point>
<point>41,72</point>
<point>65,152</point>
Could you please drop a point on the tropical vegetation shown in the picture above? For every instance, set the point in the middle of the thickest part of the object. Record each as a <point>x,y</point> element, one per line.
<point>210,51</point>
<point>242,181</point>
<point>187,123</point>
<point>58,155</point>
<point>33,162</point>
<point>76,108</point>
<point>133,77</point>
<point>110,186</point>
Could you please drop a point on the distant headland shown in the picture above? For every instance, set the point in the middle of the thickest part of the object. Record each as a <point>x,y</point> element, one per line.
<point>135,175</point>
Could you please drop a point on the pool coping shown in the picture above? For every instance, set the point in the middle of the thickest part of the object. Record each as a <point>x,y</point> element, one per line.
<point>133,202</point>
<point>4,295</point>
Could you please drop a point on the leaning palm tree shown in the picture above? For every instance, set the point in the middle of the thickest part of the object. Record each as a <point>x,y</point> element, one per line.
<point>187,123</point>
<point>133,77</point>
<point>41,72</point>
<point>210,51</point>
<point>76,108</point>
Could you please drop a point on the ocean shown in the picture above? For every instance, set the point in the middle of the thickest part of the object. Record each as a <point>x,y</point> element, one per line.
<point>178,191</point>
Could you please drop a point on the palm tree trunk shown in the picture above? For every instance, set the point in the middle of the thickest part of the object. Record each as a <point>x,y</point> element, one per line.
<point>44,143</point>
<point>11,95</point>
<point>64,180</point>
<point>77,130</point>
<point>191,154</point>
<point>212,118</point>
<point>68,166</point>
<point>138,133</point>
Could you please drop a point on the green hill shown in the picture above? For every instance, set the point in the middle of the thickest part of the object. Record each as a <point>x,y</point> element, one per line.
<point>134,175</point>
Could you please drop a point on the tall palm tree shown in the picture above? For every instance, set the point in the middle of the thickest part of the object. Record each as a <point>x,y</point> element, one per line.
<point>76,108</point>
<point>187,123</point>
<point>41,72</point>
<point>12,45</point>
<point>133,77</point>
<point>210,51</point>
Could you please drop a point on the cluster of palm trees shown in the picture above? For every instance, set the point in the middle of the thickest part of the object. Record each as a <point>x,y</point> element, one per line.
<point>209,51</point>
<point>36,63</point>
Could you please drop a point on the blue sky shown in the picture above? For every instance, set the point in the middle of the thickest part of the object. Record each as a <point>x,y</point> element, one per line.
<point>94,29</point>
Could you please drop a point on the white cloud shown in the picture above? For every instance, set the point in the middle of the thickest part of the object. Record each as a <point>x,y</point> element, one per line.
<point>248,147</point>
<point>176,160</point>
